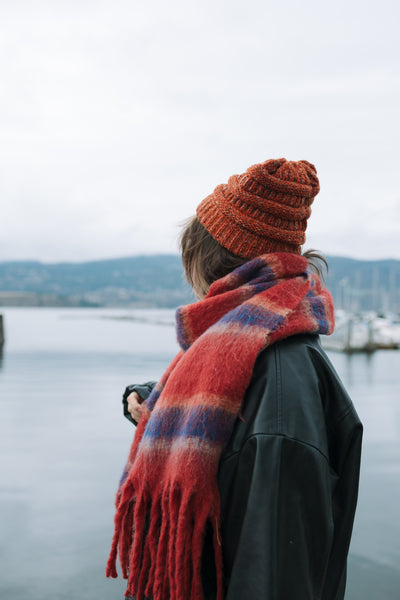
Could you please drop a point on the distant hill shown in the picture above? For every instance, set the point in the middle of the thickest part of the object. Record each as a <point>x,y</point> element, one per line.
<point>139,280</point>
<point>365,284</point>
<point>158,281</point>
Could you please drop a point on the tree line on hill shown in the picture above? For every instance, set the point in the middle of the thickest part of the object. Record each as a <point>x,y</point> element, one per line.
<point>158,281</point>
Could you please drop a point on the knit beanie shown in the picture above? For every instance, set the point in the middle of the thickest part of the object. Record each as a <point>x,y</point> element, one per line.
<point>263,210</point>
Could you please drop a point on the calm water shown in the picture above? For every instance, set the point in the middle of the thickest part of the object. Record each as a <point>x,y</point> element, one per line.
<point>63,443</point>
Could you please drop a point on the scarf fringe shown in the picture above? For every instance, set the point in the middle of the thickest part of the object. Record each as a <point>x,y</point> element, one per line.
<point>162,556</point>
<point>124,515</point>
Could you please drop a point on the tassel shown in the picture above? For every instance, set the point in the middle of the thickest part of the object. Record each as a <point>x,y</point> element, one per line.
<point>153,541</point>
<point>126,539</point>
<point>197,546</point>
<point>218,560</point>
<point>137,548</point>
<point>125,499</point>
<point>174,501</point>
<point>160,573</point>
<point>182,551</point>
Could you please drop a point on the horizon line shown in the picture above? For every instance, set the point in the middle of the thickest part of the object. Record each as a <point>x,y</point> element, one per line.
<point>162,254</point>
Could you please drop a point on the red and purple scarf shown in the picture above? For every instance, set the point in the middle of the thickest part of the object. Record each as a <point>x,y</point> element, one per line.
<point>169,493</point>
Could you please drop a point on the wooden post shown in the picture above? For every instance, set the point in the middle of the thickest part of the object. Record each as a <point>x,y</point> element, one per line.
<point>370,342</point>
<point>347,345</point>
<point>1,331</point>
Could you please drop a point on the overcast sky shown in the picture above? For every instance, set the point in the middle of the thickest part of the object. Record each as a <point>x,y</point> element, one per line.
<point>118,117</point>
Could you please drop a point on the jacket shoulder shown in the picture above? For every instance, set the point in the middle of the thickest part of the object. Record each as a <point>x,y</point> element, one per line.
<point>295,392</point>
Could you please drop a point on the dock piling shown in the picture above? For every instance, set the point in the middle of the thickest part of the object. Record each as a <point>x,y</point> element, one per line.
<point>2,339</point>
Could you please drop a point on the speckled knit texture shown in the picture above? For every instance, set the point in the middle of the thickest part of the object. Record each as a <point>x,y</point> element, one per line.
<point>263,210</point>
<point>169,492</point>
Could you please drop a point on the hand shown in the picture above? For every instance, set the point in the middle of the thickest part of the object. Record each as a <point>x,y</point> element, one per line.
<point>135,407</point>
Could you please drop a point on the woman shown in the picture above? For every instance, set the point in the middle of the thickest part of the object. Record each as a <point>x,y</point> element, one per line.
<point>242,478</point>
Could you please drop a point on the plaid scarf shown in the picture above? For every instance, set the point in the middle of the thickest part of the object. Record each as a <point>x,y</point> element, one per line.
<point>169,493</point>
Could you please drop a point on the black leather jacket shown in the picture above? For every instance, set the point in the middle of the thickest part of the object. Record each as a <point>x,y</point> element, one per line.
<point>288,480</point>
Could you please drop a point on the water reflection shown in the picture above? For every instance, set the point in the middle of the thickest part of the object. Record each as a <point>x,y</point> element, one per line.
<point>66,446</point>
<point>360,364</point>
<point>374,386</point>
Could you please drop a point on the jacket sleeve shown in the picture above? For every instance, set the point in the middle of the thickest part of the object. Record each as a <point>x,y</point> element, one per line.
<point>144,390</point>
<point>278,525</point>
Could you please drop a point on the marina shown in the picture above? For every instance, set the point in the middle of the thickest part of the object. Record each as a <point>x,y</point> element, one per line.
<point>367,332</point>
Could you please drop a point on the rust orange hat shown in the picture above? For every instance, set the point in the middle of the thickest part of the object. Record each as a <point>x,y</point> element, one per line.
<point>263,210</point>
